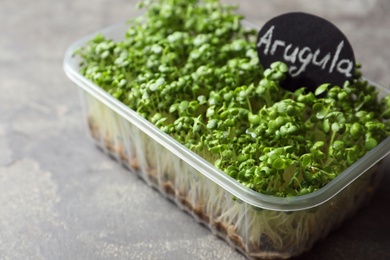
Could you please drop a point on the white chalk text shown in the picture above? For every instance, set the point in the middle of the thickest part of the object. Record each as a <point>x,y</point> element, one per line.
<point>302,57</point>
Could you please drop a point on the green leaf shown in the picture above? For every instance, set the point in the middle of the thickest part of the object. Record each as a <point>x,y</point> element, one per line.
<point>202,99</point>
<point>336,127</point>
<point>370,143</point>
<point>306,159</point>
<point>326,126</point>
<point>322,114</point>
<point>317,107</point>
<point>278,164</point>
<point>338,145</point>
<point>254,119</point>
<point>318,144</point>
<point>281,107</point>
<point>212,124</point>
<point>321,89</point>
<point>183,106</point>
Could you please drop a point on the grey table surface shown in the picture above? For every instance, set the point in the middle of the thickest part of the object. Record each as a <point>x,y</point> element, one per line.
<point>61,198</point>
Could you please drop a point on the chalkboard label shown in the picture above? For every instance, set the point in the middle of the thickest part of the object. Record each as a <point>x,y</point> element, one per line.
<point>315,50</point>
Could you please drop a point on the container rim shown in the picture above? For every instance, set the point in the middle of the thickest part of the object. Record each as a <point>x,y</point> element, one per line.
<point>258,200</point>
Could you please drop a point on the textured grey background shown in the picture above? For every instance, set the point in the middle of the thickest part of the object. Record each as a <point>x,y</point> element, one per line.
<point>61,198</point>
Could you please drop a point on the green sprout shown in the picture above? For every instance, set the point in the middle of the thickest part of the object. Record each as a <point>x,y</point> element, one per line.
<point>191,68</point>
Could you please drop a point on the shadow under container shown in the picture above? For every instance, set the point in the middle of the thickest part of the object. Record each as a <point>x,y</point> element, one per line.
<point>258,225</point>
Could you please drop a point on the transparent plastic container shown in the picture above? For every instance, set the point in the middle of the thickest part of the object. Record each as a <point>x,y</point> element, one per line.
<point>258,225</point>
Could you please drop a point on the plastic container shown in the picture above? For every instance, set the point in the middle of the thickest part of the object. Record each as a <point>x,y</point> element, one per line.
<point>258,225</point>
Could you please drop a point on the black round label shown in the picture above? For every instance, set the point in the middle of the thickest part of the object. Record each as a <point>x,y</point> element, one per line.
<point>315,50</point>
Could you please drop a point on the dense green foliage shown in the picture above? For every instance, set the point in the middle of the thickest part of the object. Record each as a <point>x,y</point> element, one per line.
<point>192,69</point>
